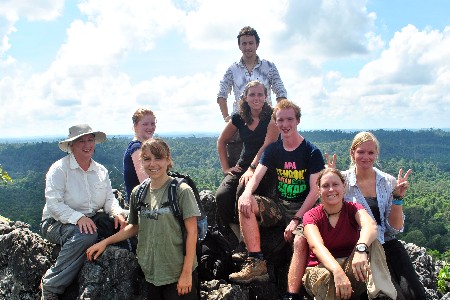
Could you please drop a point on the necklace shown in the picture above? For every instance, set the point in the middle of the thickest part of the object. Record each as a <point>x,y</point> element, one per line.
<point>328,215</point>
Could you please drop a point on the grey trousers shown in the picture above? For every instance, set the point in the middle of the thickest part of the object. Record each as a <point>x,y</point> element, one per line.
<point>71,257</point>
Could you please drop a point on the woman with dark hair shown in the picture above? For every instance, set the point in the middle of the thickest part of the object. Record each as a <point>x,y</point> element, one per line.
<point>169,274</point>
<point>257,130</point>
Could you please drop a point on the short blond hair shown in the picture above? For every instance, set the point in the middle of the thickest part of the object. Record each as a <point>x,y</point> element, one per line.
<point>361,137</point>
<point>286,104</point>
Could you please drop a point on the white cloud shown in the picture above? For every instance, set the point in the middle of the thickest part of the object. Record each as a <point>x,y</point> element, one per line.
<point>402,83</point>
<point>11,11</point>
<point>325,29</point>
<point>407,86</point>
<point>215,24</point>
<point>31,10</point>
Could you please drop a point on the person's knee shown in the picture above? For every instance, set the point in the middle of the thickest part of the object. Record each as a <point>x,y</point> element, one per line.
<point>87,239</point>
<point>223,196</point>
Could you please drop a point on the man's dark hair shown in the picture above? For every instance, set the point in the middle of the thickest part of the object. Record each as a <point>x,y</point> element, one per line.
<point>247,30</point>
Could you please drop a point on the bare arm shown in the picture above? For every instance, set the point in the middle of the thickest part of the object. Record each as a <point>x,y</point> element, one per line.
<point>223,107</point>
<point>369,231</point>
<point>184,285</point>
<point>138,165</point>
<point>310,199</point>
<point>342,283</point>
<point>226,135</point>
<point>367,235</point>
<point>97,249</point>
<point>396,213</point>
<point>247,202</point>
<point>312,196</point>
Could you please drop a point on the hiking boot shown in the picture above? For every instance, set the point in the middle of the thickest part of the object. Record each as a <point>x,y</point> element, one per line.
<point>253,270</point>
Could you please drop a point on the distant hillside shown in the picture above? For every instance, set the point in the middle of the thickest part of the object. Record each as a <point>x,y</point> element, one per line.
<point>427,152</point>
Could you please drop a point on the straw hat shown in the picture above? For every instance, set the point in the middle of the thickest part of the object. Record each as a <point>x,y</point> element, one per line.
<point>80,130</point>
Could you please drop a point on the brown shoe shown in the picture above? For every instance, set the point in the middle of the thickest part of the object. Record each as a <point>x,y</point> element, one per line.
<point>253,270</point>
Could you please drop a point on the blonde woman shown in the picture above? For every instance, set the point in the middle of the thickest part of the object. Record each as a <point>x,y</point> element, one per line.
<point>144,126</point>
<point>382,195</point>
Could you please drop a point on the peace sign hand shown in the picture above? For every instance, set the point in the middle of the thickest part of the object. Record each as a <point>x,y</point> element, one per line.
<point>402,184</point>
<point>330,164</point>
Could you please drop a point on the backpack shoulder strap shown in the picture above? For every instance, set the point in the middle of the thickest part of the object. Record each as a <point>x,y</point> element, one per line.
<point>187,179</point>
<point>175,207</point>
<point>141,192</point>
<point>173,201</point>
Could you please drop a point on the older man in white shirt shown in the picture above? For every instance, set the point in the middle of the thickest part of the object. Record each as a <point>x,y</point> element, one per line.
<point>77,190</point>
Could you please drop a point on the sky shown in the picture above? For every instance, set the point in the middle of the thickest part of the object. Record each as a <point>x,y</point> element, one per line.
<point>349,64</point>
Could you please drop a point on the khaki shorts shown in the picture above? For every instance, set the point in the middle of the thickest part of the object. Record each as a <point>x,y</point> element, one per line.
<point>319,282</point>
<point>269,212</point>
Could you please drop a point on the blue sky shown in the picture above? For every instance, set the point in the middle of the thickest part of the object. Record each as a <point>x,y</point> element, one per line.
<point>349,64</point>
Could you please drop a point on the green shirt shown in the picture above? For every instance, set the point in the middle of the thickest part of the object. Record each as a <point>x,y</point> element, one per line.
<point>160,243</point>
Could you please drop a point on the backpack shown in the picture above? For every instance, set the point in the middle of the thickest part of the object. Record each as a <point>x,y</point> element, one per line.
<point>214,260</point>
<point>202,223</point>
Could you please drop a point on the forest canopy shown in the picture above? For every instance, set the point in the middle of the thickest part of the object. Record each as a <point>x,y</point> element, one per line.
<point>427,152</point>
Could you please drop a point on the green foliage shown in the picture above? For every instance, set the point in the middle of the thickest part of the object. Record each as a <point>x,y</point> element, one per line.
<point>4,177</point>
<point>444,278</point>
<point>427,152</point>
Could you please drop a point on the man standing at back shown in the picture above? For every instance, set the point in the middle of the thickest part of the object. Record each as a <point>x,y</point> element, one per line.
<point>249,67</point>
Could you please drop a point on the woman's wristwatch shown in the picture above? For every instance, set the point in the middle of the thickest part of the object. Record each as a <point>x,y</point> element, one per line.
<point>227,118</point>
<point>361,247</point>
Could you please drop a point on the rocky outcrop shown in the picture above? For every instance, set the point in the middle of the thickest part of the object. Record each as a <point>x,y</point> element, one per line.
<point>25,256</point>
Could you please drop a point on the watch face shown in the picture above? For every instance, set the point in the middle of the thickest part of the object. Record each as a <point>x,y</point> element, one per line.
<point>361,248</point>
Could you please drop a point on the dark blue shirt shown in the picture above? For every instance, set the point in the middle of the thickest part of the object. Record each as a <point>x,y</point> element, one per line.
<point>129,173</point>
<point>293,168</point>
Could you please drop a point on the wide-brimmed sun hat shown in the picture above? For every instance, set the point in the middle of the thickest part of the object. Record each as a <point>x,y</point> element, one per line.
<point>79,130</point>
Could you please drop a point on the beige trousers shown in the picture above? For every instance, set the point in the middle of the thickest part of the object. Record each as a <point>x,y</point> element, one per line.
<point>319,282</point>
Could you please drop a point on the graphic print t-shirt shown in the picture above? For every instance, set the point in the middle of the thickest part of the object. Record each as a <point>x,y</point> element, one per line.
<point>293,168</point>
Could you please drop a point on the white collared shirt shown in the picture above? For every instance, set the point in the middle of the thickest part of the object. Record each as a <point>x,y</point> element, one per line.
<point>71,192</point>
<point>237,76</point>
<point>385,184</point>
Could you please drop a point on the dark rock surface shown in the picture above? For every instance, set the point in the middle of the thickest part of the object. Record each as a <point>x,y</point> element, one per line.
<point>25,256</point>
